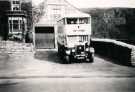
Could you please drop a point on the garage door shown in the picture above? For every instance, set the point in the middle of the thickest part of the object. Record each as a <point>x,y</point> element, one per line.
<point>44,37</point>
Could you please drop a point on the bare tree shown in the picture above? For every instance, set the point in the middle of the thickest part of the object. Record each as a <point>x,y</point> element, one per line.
<point>38,11</point>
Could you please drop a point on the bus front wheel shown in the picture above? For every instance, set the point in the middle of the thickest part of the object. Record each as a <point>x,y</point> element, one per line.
<point>67,59</point>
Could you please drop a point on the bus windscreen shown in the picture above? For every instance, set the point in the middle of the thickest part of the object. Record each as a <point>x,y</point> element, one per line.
<point>71,20</point>
<point>77,20</point>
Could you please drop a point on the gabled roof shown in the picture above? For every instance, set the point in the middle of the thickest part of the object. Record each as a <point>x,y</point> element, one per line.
<point>67,10</point>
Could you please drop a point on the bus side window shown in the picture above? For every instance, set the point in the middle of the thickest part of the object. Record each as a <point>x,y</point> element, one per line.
<point>83,21</point>
<point>71,21</point>
<point>68,21</point>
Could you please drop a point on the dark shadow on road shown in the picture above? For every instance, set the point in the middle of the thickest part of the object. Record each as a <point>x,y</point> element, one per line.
<point>8,84</point>
<point>52,56</point>
<point>47,56</point>
<point>114,61</point>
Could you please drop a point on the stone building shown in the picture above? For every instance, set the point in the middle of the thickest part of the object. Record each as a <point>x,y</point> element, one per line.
<point>13,18</point>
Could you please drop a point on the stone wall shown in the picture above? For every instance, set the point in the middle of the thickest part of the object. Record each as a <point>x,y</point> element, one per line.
<point>120,52</point>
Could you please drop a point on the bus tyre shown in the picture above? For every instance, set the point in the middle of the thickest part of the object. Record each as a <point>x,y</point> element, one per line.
<point>90,59</point>
<point>58,50</point>
<point>67,59</point>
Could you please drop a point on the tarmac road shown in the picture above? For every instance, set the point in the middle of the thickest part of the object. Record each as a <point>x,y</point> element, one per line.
<point>47,64</point>
<point>69,85</point>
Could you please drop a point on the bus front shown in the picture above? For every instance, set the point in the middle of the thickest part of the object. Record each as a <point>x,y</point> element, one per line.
<point>78,35</point>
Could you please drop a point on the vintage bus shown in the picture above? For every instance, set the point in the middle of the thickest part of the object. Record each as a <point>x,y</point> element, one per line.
<point>74,38</point>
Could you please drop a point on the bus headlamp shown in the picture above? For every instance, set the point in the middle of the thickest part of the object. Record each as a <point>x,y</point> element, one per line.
<point>68,52</point>
<point>87,49</point>
<point>92,50</point>
<point>73,50</point>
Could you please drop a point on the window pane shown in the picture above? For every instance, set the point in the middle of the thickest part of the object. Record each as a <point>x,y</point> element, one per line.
<point>10,21</point>
<point>15,21</point>
<point>17,2</point>
<point>23,26</point>
<point>14,2</point>
<point>15,24</point>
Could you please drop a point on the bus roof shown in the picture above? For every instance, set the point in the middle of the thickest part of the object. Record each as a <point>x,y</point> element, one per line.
<point>75,15</point>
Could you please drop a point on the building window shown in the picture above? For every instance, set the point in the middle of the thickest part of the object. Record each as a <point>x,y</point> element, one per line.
<point>23,26</point>
<point>15,5</point>
<point>16,8</point>
<point>16,2</point>
<point>15,24</point>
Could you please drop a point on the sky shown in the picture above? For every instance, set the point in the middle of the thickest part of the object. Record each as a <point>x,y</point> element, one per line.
<point>97,3</point>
